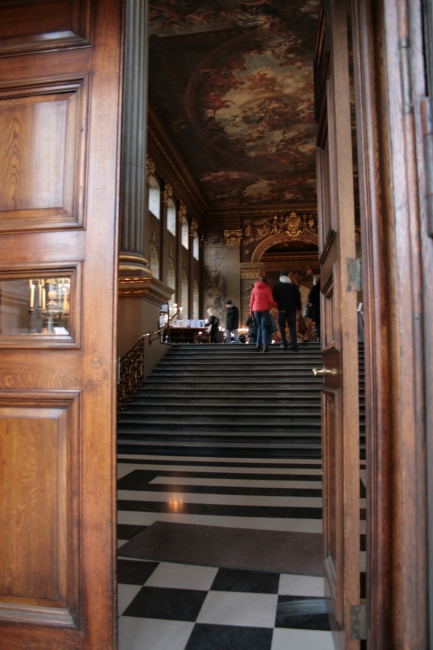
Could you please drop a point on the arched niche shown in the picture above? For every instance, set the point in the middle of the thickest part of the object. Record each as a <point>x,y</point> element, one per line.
<point>154,261</point>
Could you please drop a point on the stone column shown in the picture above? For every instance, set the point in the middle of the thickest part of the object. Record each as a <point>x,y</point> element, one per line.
<point>133,189</point>
<point>233,243</point>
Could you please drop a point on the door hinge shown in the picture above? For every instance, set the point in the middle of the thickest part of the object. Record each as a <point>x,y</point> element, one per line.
<point>358,622</point>
<point>354,274</point>
<point>406,83</point>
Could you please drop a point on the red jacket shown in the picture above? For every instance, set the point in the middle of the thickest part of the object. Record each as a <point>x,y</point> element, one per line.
<point>261,298</point>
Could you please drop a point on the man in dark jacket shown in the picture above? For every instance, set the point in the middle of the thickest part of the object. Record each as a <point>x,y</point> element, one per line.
<point>232,322</point>
<point>288,297</point>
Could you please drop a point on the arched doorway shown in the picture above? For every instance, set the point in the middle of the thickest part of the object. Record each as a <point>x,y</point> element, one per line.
<point>298,255</point>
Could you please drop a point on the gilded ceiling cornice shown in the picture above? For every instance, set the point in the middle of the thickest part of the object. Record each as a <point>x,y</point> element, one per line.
<point>264,210</point>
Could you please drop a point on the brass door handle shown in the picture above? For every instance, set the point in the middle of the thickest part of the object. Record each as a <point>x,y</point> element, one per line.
<point>321,371</point>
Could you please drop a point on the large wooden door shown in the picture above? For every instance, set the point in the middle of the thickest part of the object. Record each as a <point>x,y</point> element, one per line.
<point>60,71</point>
<point>339,336</point>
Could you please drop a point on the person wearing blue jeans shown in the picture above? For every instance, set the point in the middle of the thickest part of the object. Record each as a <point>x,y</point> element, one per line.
<point>261,302</point>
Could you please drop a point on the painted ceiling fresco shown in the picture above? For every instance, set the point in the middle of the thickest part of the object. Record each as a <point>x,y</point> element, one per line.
<point>231,81</point>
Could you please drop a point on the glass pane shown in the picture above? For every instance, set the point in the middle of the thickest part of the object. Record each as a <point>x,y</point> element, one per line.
<point>171,218</point>
<point>155,198</point>
<point>185,233</point>
<point>196,247</point>
<point>34,306</point>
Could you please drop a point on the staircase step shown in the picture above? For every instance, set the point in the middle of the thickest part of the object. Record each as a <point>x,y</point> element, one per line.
<point>230,401</point>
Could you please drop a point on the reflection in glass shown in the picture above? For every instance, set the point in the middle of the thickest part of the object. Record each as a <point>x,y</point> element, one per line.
<point>34,306</point>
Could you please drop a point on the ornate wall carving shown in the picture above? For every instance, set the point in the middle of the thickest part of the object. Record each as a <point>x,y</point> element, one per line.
<point>233,237</point>
<point>260,234</point>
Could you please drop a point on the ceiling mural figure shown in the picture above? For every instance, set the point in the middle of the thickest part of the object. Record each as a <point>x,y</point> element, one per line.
<point>232,83</point>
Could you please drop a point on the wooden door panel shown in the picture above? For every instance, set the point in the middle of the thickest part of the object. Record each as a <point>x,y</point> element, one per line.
<point>43,25</point>
<point>32,370</point>
<point>59,132</point>
<point>340,393</point>
<point>43,135</point>
<point>332,461</point>
<point>39,507</point>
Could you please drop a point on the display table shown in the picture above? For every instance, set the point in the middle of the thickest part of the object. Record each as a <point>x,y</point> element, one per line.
<point>187,334</point>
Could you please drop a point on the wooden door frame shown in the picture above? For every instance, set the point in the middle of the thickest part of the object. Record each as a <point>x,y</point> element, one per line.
<point>387,71</point>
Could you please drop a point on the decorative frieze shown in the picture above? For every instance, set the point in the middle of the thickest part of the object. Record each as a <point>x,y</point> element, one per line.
<point>233,237</point>
<point>252,273</point>
<point>148,287</point>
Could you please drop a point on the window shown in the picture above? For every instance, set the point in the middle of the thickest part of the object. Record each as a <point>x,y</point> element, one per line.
<point>185,233</point>
<point>154,197</point>
<point>154,261</point>
<point>196,247</point>
<point>171,217</point>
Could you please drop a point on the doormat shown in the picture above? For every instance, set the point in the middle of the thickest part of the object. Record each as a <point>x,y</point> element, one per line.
<point>232,548</point>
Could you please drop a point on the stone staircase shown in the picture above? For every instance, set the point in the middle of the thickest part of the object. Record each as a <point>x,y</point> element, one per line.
<point>227,401</point>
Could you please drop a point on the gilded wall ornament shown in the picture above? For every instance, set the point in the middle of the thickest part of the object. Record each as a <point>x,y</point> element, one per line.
<point>293,225</point>
<point>193,227</point>
<point>150,168</point>
<point>181,213</point>
<point>167,193</point>
<point>233,237</point>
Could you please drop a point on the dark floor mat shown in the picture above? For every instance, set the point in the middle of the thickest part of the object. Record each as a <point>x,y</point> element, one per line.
<point>236,548</point>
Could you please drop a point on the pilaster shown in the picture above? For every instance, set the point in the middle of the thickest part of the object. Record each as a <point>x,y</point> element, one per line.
<point>233,240</point>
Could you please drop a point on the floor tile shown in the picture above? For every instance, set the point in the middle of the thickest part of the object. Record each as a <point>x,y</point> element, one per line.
<point>227,637</point>
<point>152,634</point>
<point>297,585</point>
<point>302,613</point>
<point>134,480</point>
<point>250,610</point>
<point>125,595</point>
<point>182,576</point>
<point>172,604</point>
<point>302,640</point>
<point>258,582</point>
<point>133,572</point>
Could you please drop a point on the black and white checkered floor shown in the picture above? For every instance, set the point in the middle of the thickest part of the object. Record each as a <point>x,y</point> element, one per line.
<point>167,606</point>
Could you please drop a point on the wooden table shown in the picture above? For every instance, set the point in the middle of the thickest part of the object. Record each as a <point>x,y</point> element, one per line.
<point>187,334</point>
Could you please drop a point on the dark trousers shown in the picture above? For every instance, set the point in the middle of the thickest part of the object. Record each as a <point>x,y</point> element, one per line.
<point>262,318</point>
<point>290,317</point>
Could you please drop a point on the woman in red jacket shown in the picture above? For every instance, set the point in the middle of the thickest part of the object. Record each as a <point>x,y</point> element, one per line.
<point>260,303</point>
